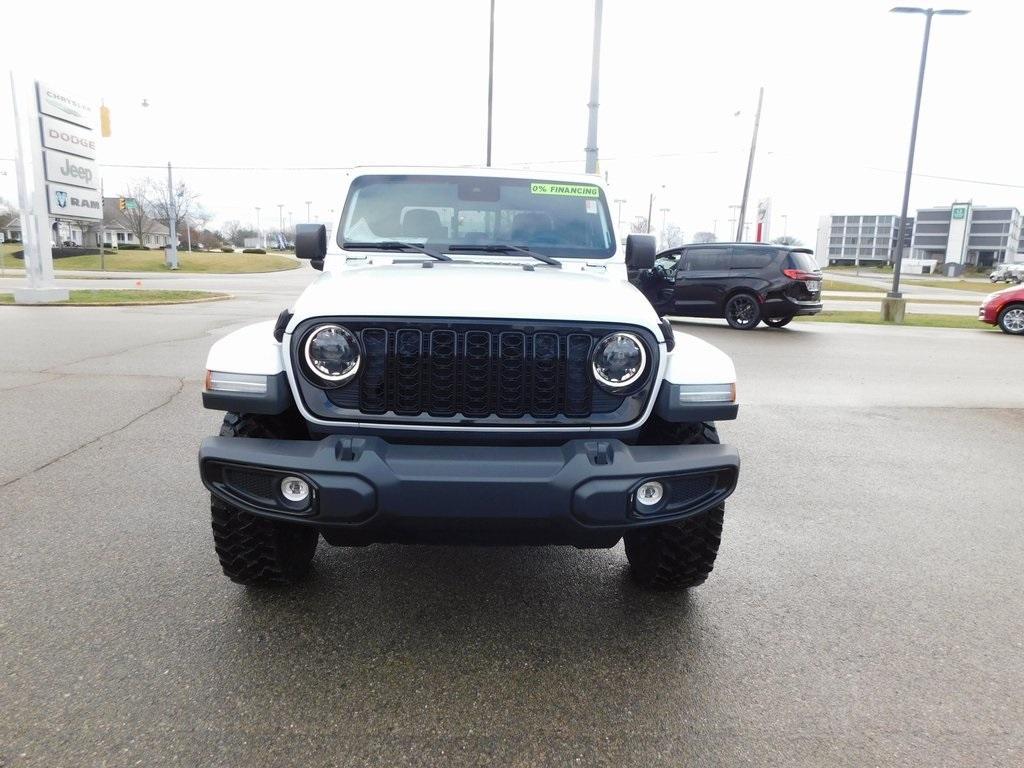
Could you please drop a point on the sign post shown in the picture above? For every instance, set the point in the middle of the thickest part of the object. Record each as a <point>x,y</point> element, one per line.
<point>57,177</point>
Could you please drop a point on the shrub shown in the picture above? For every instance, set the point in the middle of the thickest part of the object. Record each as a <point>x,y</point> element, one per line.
<point>129,247</point>
<point>254,250</point>
<point>227,249</point>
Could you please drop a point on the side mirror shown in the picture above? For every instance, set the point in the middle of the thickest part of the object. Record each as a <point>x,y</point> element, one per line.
<point>311,243</point>
<point>640,251</point>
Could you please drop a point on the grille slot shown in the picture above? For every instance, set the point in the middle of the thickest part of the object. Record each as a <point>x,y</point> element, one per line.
<point>513,372</point>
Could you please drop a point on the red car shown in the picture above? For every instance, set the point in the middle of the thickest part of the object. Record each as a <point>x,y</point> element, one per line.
<point>1005,309</point>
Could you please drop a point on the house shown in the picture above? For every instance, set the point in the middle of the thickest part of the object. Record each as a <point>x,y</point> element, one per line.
<point>116,230</point>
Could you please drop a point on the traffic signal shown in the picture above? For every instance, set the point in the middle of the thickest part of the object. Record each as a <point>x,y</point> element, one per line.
<point>104,121</point>
<point>122,204</point>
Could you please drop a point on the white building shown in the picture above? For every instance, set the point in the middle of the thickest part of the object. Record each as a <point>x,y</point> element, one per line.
<point>966,234</point>
<point>116,230</point>
<point>859,239</point>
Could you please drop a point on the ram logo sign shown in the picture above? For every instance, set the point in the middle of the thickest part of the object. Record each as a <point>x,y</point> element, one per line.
<point>74,202</point>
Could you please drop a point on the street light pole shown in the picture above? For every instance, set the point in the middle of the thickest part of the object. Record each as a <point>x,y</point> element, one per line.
<point>928,13</point>
<point>490,86</point>
<point>308,203</point>
<point>750,166</point>
<point>259,237</point>
<point>595,72</point>
<point>664,214</point>
<point>619,201</point>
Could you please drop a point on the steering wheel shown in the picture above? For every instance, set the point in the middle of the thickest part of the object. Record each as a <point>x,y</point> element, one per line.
<point>659,271</point>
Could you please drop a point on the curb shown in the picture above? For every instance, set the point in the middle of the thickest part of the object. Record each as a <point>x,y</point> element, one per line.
<point>207,299</point>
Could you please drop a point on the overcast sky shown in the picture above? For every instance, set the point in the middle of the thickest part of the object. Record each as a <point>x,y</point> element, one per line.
<point>300,84</point>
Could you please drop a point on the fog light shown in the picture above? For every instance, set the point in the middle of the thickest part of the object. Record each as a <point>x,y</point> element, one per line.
<point>650,494</point>
<point>295,489</point>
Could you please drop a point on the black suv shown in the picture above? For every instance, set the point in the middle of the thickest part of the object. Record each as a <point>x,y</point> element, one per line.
<point>743,282</point>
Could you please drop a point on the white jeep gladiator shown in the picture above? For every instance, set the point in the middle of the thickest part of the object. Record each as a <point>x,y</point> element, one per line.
<point>471,367</point>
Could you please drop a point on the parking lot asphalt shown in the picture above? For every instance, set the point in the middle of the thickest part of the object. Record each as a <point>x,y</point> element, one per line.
<point>865,609</point>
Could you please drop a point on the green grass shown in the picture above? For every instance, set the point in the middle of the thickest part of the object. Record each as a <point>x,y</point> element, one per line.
<point>839,285</point>
<point>956,285</point>
<point>915,320</point>
<point>910,300</point>
<point>153,261</point>
<point>111,297</point>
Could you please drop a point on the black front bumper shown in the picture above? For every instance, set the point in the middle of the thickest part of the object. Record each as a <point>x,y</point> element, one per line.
<point>367,490</point>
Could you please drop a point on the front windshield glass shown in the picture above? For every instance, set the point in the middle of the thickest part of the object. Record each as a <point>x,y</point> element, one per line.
<point>552,218</point>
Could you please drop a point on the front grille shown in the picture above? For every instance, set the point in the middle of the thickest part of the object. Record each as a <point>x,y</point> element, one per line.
<point>473,371</point>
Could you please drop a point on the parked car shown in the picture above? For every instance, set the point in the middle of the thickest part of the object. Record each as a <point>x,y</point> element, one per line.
<point>462,373</point>
<point>745,283</point>
<point>1004,308</point>
<point>1007,273</point>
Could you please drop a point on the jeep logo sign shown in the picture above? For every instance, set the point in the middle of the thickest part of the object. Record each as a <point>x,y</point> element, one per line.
<point>66,137</point>
<point>68,169</point>
<point>74,202</point>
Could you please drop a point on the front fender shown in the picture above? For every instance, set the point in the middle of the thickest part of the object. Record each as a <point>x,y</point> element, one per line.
<point>699,383</point>
<point>252,350</point>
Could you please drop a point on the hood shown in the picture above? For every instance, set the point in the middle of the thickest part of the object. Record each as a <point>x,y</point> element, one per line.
<point>475,291</point>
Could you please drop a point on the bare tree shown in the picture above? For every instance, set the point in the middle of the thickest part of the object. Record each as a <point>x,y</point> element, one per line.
<point>787,240</point>
<point>672,236</point>
<point>185,203</point>
<point>136,218</point>
<point>704,237</point>
<point>639,225</point>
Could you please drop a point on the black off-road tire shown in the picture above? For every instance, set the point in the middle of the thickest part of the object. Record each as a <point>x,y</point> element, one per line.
<point>253,550</point>
<point>742,311</point>
<point>778,322</point>
<point>678,555</point>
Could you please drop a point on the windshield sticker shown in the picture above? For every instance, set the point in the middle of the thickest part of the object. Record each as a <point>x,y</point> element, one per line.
<point>566,190</point>
<point>591,206</point>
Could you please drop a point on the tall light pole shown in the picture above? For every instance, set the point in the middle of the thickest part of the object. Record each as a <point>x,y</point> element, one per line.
<point>785,224</point>
<point>595,72</point>
<point>308,203</point>
<point>664,214</point>
<point>750,166</point>
<point>280,217</point>
<point>259,237</point>
<point>490,87</point>
<point>619,201</point>
<point>889,306</point>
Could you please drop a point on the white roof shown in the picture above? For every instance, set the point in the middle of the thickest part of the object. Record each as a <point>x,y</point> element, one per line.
<point>476,171</point>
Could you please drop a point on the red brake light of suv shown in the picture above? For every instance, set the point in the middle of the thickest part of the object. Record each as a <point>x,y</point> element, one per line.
<point>799,274</point>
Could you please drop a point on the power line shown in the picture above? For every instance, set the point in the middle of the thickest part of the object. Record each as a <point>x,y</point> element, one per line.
<point>300,168</point>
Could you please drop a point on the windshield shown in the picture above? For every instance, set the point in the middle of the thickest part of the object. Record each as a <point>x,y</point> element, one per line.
<point>549,217</point>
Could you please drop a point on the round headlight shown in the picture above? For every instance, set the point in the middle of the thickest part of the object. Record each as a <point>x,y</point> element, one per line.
<point>332,354</point>
<point>619,360</point>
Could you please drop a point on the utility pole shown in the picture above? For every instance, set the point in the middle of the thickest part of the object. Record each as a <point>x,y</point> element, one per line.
<point>750,166</point>
<point>490,87</point>
<point>172,216</point>
<point>595,72</point>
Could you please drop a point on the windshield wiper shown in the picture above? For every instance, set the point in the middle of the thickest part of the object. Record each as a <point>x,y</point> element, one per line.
<point>397,245</point>
<point>506,249</point>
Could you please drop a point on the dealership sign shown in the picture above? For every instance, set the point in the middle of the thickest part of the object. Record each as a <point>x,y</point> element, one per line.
<point>74,202</point>
<point>68,147</point>
<point>68,169</point>
<point>66,137</point>
<point>65,106</point>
